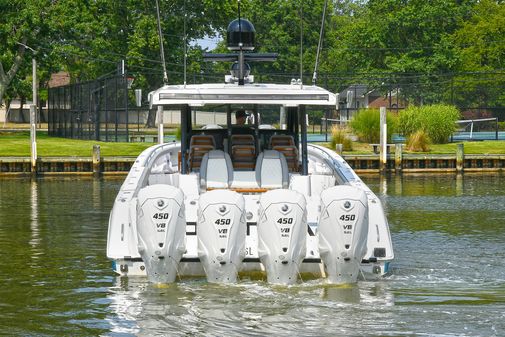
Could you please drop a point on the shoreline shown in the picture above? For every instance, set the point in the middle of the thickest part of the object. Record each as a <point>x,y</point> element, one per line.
<point>361,164</point>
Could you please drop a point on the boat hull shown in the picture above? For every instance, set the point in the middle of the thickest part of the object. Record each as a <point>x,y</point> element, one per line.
<point>326,169</point>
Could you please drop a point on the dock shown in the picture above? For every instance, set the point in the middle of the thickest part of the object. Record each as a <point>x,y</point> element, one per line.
<point>361,163</point>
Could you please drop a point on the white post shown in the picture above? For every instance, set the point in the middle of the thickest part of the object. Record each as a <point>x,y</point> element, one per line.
<point>33,140</point>
<point>282,117</point>
<point>34,82</point>
<point>33,118</point>
<point>160,124</point>
<point>383,139</point>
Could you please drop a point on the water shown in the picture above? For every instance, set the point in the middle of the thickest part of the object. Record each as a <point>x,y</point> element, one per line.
<point>448,276</point>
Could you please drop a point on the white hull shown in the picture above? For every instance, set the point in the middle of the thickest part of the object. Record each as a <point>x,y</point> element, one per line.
<point>156,165</point>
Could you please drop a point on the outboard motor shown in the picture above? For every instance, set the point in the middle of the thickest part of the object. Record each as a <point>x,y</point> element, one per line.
<point>282,234</point>
<point>161,230</point>
<point>221,231</point>
<point>343,232</point>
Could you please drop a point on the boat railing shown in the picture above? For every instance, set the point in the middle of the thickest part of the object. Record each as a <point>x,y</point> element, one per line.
<point>156,152</point>
<point>345,174</point>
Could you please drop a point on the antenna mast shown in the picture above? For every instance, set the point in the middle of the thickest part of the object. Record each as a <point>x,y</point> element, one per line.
<point>162,52</point>
<point>321,32</point>
<point>241,51</point>
<point>185,45</point>
<point>301,43</point>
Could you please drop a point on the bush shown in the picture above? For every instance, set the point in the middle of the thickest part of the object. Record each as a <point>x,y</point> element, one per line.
<point>438,121</point>
<point>419,141</point>
<point>178,133</point>
<point>339,136</point>
<point>366,125</point>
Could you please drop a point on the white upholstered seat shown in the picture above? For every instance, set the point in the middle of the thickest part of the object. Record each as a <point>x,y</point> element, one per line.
<point>272,170</point>
<point>216,170</point>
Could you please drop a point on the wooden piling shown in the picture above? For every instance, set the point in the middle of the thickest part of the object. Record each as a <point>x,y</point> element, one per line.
<point>339,148</point>
<point>96,159</point>
<point>383,141</point>
<point>460,157</point>
<point>398,158</point>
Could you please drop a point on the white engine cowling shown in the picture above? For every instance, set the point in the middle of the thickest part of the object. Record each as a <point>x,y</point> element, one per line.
<point>161,231</point>
<point>282,234</point>
<point>221,231</point>
<point>343,232</point>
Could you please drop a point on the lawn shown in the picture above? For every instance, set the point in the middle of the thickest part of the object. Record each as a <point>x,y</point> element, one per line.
<point>17,144</point>
<point>481,147</point>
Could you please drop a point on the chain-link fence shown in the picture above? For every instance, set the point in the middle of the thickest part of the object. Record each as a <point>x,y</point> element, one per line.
<point>102,109</point>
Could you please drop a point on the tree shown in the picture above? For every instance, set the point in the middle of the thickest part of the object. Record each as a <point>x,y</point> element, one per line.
<point>89,38</point>
<point>401,42</point>
<point>278,24</point>
<point>481,53</point>
<point>22,24</point>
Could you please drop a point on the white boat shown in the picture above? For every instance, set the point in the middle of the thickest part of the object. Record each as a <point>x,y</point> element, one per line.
<point>229,202</point>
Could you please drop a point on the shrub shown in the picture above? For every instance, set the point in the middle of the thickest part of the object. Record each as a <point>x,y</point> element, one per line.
<point>178,133</point>
<point>419,141</point>
<point>339,136</point>
<point>438,121</point>
<point>366,125</point>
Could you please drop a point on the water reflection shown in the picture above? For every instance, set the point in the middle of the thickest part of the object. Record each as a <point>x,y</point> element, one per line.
<point>34,218</point>
<point>126,305</point>
<point>448,232</point>
<point>97,194</point>
<point>251,308</point>
<point>345,294</point>
<point>459,185</point>
<point>456,204</point>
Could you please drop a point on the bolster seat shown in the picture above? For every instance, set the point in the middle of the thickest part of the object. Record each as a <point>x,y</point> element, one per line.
<point>216,170</point>
<point>286,145</point>
<point>272,170</point>
<point>243,152</point>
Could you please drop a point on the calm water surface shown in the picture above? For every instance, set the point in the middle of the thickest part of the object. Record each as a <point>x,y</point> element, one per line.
<point>448,276</point>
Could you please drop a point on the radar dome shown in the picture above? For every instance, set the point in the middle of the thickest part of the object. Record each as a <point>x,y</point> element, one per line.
<point>240,31</point>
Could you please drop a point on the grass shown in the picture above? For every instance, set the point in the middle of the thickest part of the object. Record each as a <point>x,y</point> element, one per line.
<point>482,147</point>
<point>17,144</point>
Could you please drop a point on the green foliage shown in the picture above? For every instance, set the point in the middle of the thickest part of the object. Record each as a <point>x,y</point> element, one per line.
<point>438,121</point>
<point>366,125</point>
<point>391,39</point>
<point>340,135</point>
<point>178,133</point>
<point>88,39</point>
<point>480,47</point>
<point>417,45</point>
<point>419,141</point>
<point>13,144</point>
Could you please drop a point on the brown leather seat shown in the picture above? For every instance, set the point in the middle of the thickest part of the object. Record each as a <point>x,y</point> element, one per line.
<point>282,140</point>
<point>198,147</point>
<point>243,152</point>
<point>286,145</point>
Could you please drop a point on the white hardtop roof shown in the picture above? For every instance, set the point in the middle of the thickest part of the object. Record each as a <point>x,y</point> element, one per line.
<point>221,93</point>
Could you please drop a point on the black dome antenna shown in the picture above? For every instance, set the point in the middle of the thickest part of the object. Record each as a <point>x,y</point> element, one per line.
<point>240,36</point>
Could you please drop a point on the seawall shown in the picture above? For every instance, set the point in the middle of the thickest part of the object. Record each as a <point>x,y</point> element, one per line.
<point>408,163</point>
